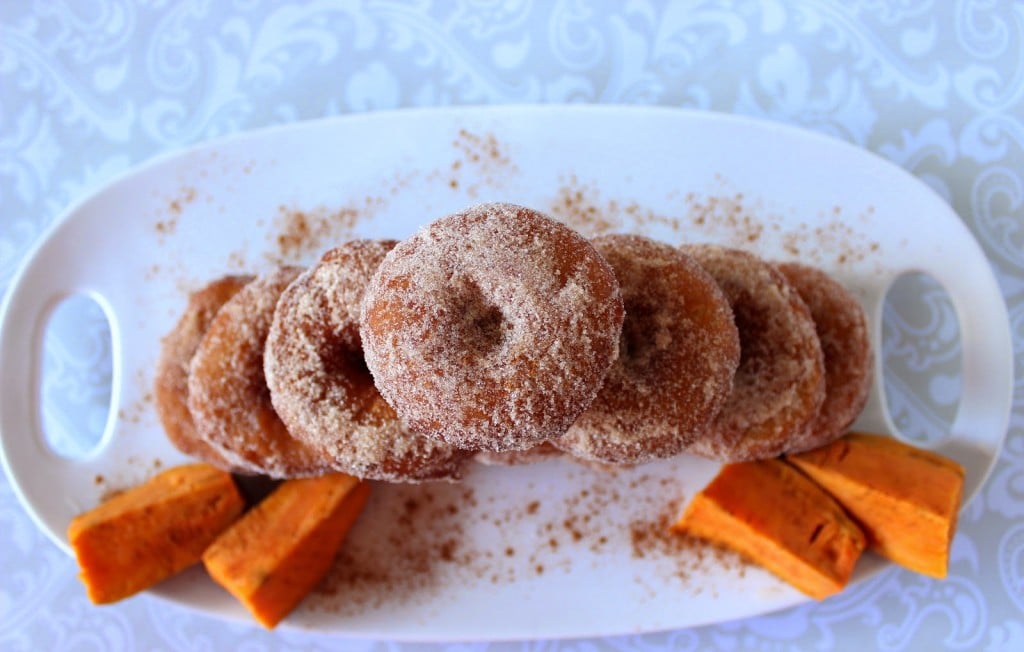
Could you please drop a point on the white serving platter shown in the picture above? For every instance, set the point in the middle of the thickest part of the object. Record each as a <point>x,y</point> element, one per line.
<point>549,550</point>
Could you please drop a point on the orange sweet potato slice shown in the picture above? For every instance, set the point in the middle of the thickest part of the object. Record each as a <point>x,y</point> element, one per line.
<point>271,558</point>
<point>772,514</point>
<point>906,498</point>
<point>148,533</point>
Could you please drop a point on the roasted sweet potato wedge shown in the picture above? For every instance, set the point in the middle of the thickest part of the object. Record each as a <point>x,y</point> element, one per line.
<point>271,558</point>
<point>775,516</point>
<point>148,533</point>
<point>905,498</point>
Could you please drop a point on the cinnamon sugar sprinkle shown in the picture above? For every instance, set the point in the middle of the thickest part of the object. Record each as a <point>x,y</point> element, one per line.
<point>186,196</point>
<point>481,155</point>
<point>299,234</point>
<point>583,206</point>
<point>167,226</point>
<point>721,214</point>
<point>424,539</point>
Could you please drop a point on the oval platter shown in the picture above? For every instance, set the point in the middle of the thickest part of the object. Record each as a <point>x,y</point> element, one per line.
<point>554,549</point>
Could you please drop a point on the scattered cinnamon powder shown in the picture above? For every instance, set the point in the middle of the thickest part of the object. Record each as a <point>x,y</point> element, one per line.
<point>415,542</point>
<point>133,473</point>
<point>175,206</point>
<point>166,227</point>
<point>400,554</point>
<point>301,233</point>
<point>480,161</point>
<point>238,261</point>
<point>141,408</point>
<point>481,148</point>
<point>480,155</point>
<point>734,219</point>
<point>721,214</point>
<point>578,206</point>
<point>828,242</point>
<point>654,538</point>
<point>582,206</point>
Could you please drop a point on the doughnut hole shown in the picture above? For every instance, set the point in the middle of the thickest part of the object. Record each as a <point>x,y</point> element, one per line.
<point>479,324</point>
<point>756,352</point>
<point>644,336</point>
<point>348,367</point>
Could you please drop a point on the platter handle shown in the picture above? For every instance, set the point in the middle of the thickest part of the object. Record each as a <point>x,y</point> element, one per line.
<point>54,485</point>
<point>982,416</point>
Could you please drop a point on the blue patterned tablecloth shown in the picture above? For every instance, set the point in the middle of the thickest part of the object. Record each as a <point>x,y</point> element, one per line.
<point>90,89</point>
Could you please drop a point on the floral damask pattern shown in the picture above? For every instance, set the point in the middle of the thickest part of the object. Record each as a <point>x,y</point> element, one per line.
<point>89,89</point>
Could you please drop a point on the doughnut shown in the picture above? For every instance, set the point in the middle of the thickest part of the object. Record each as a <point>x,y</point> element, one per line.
<point>843,331</point>
<point>170,386</point>
<point>491,329</point>
<point>227,392</point>
<point>319,384</point>
<point>780,382</point>
<point>677,355</point>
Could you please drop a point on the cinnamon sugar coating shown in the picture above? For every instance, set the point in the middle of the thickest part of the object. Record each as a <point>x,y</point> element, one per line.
<point>227,391</point>
<point>780,383</point>
<point>843,332</point>
<point>319,384</point>
<point>492,329</point>
<point>677,355</point>
<point>170,384</point>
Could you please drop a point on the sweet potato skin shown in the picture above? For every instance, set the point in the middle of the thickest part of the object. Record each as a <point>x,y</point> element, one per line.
<point>770,513</point>
<point>906,499</point>
<point>153,531</point>
<point>277,553</point>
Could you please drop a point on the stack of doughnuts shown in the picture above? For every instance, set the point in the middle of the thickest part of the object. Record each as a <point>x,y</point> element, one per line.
<point>501,334</point>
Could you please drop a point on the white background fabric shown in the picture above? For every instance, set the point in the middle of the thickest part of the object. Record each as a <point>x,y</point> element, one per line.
<point>90,89</point>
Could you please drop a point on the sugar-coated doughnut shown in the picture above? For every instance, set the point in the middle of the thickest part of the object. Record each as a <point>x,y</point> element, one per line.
<point>780,383</point>
<point>319,384</point>
<point>677,356</point>
<point>227,392</point>
<point>170,386</point>
<point>843,332</point>
<point>493,328</point>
